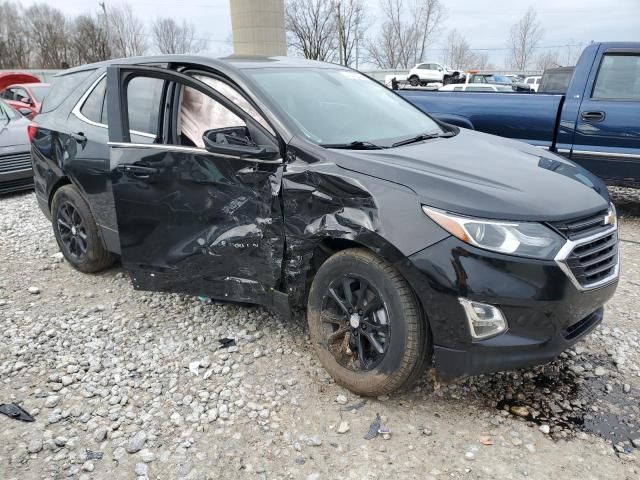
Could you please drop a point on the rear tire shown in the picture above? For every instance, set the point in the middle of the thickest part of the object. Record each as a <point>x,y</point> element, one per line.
<point>76,232</point>
<point>399,330</point>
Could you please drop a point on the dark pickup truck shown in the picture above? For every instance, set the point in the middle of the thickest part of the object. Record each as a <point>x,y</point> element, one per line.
<point>596,123</point>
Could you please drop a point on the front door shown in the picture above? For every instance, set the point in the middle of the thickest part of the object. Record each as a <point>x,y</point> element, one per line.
<point>191,220</point>
<point>607,134</point>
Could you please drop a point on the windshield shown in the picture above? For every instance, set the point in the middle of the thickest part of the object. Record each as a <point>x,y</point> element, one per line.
<point>333,107</point>
<point>39,92</point>
<point>7,112</point>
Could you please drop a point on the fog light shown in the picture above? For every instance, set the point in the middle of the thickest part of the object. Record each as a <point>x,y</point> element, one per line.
<point>484,320</point>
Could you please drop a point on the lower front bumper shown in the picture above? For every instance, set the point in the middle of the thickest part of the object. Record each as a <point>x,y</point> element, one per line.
<point>545,312</point>
<point>506,352</point>
<point>16,180</point>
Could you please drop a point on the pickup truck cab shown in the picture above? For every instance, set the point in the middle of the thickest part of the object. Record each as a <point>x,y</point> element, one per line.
<point>594,123</point>
<point>405,239</point>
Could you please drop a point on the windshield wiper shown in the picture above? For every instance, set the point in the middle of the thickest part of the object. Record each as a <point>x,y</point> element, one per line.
<point>423,136</point>
<point>355,145</point>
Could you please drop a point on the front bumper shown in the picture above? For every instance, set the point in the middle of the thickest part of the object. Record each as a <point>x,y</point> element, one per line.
<point>545,311</point>
<point>15,180</point>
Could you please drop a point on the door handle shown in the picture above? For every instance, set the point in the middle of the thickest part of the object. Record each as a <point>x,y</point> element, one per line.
<point>139,171</point>
<point>592,116</point>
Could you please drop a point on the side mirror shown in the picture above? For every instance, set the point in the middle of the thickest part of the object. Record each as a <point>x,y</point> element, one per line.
<point>217,141</point>
<point>26,100</point>
<point>25,111</point>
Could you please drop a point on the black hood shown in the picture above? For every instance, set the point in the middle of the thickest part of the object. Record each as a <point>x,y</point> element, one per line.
<point>486,176</point>
<point>14,135</point>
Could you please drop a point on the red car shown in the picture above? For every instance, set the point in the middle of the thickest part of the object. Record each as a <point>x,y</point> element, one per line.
<point>24,92</point>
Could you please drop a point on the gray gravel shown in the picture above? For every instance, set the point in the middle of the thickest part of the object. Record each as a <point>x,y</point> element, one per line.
<point>127,384</point>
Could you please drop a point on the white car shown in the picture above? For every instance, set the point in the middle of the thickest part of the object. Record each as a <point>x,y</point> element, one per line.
<point>429,72</point>
<point>471,87</point>
<point>533,82</point>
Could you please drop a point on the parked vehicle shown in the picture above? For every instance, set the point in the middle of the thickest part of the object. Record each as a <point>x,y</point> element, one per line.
<point>533,82</point>
<point>594,123</point>
<point>403,236</point>
<point>15,161</point>
<point>24,92</point>
<point>493,79</point>
<point>471,87</point>
<point>430,72</point>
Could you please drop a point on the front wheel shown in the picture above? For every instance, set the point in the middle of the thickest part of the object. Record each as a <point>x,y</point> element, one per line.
<point>414,81</point>
<point>365,324</point>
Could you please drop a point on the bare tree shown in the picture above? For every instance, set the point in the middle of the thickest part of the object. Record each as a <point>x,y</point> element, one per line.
<point>547,60</point>
<point>126,32</point>
<point>48,30</point>
<point>351,21</point>
<point>458,54</point>
<point>523,39</point>
<point>406,32</point>
<point>89,40</point>
<point>14,44</point>
<point>482,61</point>
<point>169,37</point>
<point>311,27</point>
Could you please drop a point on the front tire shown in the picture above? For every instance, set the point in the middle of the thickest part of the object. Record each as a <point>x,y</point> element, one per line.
<point>414,81</point>
<point>77,233</point>
<point>365,324</point>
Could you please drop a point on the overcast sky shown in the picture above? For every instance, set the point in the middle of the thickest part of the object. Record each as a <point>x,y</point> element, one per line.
<point>484,23</point>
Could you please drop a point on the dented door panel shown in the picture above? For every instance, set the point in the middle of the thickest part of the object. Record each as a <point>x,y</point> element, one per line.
<point>199,223</point>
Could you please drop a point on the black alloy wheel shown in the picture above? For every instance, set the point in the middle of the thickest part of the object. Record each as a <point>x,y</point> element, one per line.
<point>357,324</point>
<point>73,232</point>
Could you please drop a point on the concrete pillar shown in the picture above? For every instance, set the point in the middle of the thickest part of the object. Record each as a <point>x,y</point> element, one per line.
<point>258,27</point>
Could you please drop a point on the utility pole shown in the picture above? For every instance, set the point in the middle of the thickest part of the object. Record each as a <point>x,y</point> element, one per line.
<point>340,34</point>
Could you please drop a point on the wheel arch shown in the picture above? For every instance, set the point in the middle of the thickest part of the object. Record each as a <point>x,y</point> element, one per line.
<point>61,182</point>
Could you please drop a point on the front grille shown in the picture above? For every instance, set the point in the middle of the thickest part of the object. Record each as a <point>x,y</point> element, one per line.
<point>595,260</point>
<point>15,162</point>
<point>16,185</point>
<point>581,227</point>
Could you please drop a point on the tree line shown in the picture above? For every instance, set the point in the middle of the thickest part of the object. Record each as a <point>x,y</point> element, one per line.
<point>340,31</point>
<point>42,36</point>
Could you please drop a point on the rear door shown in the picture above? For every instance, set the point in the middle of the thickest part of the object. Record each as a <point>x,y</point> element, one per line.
<point>607,134</point>
<point>189,220</point>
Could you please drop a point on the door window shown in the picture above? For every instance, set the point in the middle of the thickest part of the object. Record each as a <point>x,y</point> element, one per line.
<point>618,77</point>
<point>144,95</point>
<point>200,113</point>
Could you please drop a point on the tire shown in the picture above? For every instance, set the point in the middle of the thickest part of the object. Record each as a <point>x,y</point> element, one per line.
<point>69,208</point>
<point>414,81</point>
<point>404,338</point>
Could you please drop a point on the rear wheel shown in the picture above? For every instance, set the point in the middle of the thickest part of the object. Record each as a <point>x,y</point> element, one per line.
<point>365,324</point>
<point>77,233</point>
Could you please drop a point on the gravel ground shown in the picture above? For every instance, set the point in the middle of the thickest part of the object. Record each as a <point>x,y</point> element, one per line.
<point>127,384</point>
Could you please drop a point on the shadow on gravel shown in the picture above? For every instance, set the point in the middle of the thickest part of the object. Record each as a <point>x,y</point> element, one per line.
<point>568,398</point>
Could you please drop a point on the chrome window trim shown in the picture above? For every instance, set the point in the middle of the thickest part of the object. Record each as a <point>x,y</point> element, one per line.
<point>606,154</point>
<point>77,110</point>
<point>180,148</point>
<point>565,251</point>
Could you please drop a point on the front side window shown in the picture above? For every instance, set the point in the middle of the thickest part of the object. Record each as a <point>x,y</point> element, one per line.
<point>618,77</point>
<point>19,94</point>
<point>336,106</point>
<point>144,95</point>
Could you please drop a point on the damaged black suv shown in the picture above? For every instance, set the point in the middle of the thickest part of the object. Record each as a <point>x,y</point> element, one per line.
<point>286,183</point>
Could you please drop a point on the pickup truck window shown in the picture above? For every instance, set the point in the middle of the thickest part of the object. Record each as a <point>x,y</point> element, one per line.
<point>618,77</point>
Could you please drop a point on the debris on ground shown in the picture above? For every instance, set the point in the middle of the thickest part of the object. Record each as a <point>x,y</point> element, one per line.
<point>16,412</point>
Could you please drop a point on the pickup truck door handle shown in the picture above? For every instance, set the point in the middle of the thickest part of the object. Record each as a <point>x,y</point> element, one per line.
<point>592,116</point>
<point>138,171</point>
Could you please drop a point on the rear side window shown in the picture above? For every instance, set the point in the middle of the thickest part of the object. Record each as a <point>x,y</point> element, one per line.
<point>92,107</point>
<point>62,87</point>
<point>143,97</point>
<point>618,77</point>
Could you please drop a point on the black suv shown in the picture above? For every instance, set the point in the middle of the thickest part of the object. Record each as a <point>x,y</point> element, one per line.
<point>288,183</point>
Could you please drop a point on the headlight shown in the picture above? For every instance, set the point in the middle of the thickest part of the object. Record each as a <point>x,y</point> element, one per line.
<point>526,239</point>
